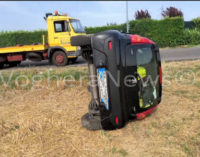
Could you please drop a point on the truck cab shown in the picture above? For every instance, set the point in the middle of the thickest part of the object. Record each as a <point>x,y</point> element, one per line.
<point>60,29</point>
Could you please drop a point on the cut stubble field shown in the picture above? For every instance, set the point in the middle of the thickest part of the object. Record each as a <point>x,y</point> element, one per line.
<point>44,118</point>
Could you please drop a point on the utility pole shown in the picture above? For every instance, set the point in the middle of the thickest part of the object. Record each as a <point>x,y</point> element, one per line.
<point>127,22</point>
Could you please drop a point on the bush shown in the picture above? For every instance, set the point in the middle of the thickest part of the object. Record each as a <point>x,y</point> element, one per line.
<point>189,25</point>
<point>172,12</point>
<point>191,36</point>
<point>166,32</point>
<point>142,14</point>
<point>196,22</point>
<point>21,37</point>
<point>93,30</point>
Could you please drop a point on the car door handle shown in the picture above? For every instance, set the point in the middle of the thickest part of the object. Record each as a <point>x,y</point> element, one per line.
<point>55,37</point>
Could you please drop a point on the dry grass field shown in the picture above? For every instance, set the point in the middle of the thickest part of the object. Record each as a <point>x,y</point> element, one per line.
<point>44,118</point>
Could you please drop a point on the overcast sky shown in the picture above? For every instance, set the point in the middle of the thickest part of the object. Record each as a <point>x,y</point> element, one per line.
<point>29,15</point>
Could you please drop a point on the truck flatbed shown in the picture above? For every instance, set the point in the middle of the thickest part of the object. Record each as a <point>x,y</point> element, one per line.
<point>23,48</point>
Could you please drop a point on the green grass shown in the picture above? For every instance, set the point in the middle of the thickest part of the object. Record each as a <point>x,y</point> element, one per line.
<point>155,125</point>
<point>115,150</point>
<point>13,79</point>
<point>123,152</point>
<point>197,84</point>
<point>180,92</point>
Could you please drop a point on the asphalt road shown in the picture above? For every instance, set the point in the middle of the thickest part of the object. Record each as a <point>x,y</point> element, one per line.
<point>178,54</point>
<point>172,54</point>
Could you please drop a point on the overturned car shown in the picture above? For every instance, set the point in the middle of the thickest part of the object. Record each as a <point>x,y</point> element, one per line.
<point>125,78</point>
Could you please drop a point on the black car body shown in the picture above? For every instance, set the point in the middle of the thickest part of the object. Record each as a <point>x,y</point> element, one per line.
<point>129,76</point>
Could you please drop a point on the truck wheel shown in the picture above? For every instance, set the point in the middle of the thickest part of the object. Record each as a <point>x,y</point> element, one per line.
<point>81,40</point>
<point>59,58</point>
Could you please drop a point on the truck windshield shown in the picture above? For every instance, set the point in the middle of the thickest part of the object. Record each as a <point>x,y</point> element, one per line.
<point>76,24</point>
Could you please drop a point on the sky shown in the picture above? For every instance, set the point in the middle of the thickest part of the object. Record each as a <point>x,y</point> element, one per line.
<point>28,15</point>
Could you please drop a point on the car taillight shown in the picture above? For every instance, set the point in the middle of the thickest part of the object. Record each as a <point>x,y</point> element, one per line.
<point>116,120</point>
<point>136,39</point>
<point>110,45</point>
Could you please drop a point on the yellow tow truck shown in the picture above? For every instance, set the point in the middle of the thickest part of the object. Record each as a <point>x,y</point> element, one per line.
<point>58,50</point>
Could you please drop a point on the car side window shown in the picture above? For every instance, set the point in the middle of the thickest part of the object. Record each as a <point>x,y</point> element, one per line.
<point>61,26</point>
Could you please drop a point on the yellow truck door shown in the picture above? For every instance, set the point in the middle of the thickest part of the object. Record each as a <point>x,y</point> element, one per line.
<point>61,35</point>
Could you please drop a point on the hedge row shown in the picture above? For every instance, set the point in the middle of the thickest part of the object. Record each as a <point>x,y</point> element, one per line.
<point>191,36</point>
<point>166,32</point>
<point>21,37</point>
<point>93,30</point>
<point>196,22</point>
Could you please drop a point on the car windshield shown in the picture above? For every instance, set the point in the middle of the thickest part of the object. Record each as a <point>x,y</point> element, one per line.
<point>76,24</point>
